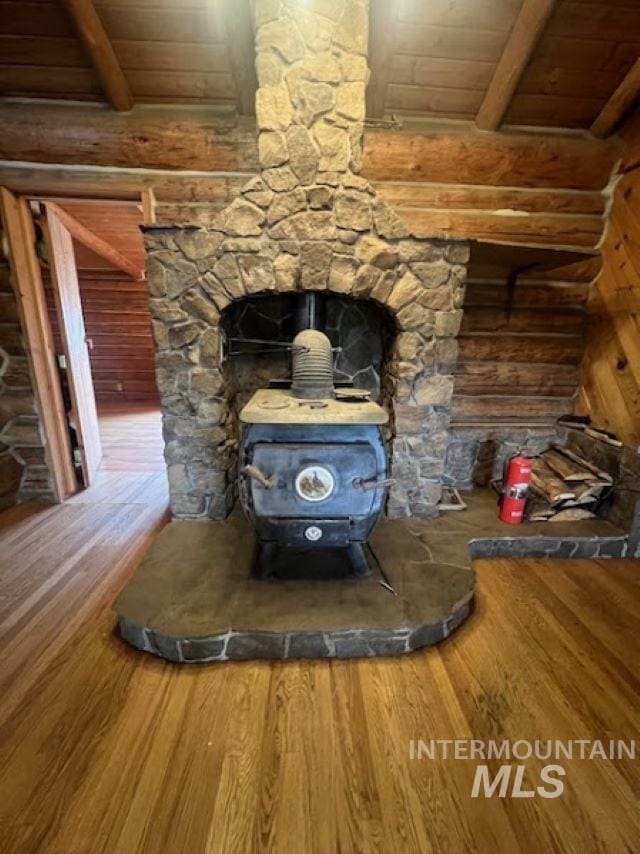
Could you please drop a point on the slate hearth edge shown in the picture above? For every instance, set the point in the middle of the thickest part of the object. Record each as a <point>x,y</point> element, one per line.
<point>182,586</point>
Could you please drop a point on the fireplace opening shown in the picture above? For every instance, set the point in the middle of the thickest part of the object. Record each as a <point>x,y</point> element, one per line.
<point>361,332</point>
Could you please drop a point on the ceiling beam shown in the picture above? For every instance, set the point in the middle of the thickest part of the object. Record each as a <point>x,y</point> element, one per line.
<point>92,241</point>
<point>381,21</point>
<point>184,147</point>
<point>618,104</point>
<point>96,42</point>
<point>238,24</point>
<point>154,137</point>
<point>526,32</point>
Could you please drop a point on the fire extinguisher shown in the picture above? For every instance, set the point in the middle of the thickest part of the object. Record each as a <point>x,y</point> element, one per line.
<point>515,483</point>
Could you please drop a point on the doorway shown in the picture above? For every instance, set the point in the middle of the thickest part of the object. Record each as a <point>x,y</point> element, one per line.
<point>113,301</point>
<point>92,261</point>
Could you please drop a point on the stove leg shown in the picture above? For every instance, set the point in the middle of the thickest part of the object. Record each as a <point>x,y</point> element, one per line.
<point>265,562</point>
<point>358,559</point>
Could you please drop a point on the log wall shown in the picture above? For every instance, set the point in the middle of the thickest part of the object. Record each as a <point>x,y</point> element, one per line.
<point>610,391</point>
<point>446,179</point>
<point>519,365</point>
<point>520,188</point>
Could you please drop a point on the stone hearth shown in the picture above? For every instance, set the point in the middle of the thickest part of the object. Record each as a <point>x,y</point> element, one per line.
<point>193,597</point>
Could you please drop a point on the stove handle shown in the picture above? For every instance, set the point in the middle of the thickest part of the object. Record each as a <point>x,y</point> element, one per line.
<point>369,485</point>
<point>255,473</point>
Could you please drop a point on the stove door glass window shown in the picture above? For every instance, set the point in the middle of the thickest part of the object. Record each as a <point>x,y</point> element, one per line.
<point>314,483</point>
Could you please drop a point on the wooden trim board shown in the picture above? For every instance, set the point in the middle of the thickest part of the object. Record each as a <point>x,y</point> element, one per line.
<point>94,242</point>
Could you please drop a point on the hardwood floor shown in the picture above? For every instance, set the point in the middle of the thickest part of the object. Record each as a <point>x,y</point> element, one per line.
<point>104,749</point>
<point>131,437</point>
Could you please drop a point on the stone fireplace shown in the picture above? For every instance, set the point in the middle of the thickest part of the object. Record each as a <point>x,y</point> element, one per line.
<point>308,222</point>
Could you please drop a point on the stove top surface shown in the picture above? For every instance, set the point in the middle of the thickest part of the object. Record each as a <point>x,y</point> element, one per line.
<point>280,406</point>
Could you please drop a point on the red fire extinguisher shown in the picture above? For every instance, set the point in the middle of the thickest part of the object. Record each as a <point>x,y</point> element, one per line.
<point>515,484</point>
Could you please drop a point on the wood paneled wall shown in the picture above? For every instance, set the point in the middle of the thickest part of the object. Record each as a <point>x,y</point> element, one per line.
<point>610,391</point>
<point>174,52</point>
<point>118,323</point>
<point>442,55</point>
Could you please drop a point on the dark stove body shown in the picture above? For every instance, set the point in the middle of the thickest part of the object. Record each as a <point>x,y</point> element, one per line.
<point>313,466</point>
<point>348,457</point>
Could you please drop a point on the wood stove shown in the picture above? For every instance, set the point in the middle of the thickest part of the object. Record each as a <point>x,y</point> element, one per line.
<point>313,464</point>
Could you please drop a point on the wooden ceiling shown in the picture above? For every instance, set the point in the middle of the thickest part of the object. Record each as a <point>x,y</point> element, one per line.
<point>171,51</point>
<point>445,54</point>
<point>429,58</point>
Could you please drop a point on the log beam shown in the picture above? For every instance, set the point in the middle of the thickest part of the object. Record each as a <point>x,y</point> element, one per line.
<point>196,139</point>
<point>96,42</point>
<point>461,154</point>
<point>99,182</point>
<point>94,242</point>
<point>146,137</point>
<point>528,28</point>
<point>619,103</point>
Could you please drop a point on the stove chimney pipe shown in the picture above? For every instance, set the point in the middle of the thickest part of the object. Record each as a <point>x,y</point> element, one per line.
<point>310,311</point>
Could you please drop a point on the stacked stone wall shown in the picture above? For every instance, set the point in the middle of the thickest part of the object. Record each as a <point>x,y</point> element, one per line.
<point>24,473</point>
<point>476,456</point>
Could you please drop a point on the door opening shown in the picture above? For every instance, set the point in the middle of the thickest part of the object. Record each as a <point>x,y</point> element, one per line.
<point>93,260</point>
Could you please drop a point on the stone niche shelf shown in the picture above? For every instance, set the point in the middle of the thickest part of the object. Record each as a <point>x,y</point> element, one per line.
<point>192,599</point>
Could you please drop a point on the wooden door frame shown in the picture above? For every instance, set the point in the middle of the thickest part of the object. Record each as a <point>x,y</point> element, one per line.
<point>18,226</point>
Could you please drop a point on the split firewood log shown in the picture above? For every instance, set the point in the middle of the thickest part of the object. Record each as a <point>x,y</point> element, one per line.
<point>592,492</point>
<point>576,458</point>
<point>538,508</point>
<point>586,493</point>
<point>572,514</point>
<point>545,482</point>
<point>567,469</point>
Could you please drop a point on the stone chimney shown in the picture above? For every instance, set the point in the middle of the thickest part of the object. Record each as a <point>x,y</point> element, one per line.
<point>312,73</point>
<point>307,222</point>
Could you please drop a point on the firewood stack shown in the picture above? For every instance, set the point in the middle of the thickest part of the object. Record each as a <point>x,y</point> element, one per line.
<point>565,487</point>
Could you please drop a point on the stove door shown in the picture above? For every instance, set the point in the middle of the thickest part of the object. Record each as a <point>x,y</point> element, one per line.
<point>314,480</point>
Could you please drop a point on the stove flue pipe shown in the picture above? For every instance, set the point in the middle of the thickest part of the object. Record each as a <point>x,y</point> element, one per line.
<point>310,311</point>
